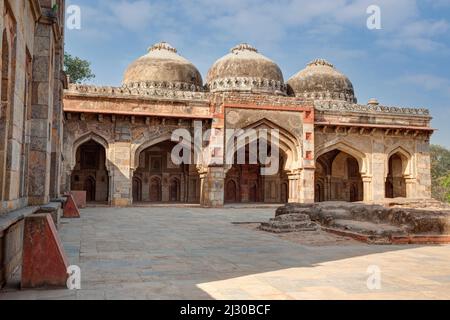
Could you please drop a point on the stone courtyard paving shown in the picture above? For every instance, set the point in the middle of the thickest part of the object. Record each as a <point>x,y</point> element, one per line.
<point>195,253</point>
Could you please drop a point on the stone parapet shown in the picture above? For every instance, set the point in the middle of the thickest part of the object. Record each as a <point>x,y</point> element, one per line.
<point>342,106</point>
<point>146,91</point>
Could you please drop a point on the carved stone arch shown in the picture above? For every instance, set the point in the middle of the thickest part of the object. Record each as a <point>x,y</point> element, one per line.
<point>344,147</point>
<point>138,148</point>
<point>88,137</point>
<point>407,159</point>
<point>288,143</point>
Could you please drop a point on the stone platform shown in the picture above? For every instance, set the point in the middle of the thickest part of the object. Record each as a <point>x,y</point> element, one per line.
<point>295,219</point>
<point>396,221</point>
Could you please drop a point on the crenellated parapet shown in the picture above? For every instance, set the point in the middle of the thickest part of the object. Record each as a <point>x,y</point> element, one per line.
<point>144,90</point>
<point>342,106</point>
<point>248,84</point>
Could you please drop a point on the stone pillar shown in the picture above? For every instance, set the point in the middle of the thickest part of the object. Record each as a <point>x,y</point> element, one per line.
<point>212,187</point>
<point>327,193</point>
<point>121,176</point>
<point>410,187</point>
<point>41,115</point>
<point>367,183</point>
<point>57,124</point>
<point>294,187</point>
<point>378,168</point>
<point>165,189</point>
<point>307,185</point>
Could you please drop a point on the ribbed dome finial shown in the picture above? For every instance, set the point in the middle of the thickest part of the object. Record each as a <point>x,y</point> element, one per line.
<point>320,62</point>
<point>162,46</point>
<point>243,47</point>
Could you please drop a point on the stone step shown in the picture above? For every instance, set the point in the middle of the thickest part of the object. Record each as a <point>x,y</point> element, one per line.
<point>367,228</point>
<point>293,217</point>
<point>288,226</point>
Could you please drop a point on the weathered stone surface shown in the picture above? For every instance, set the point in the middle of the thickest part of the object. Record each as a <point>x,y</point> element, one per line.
<point>70,208</point>
<point>374,223</point>
<point>44,261</point>
<point>80,198</point>
<point>297,220</point>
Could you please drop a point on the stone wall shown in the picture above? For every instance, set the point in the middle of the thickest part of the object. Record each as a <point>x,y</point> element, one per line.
<point>31,115</point>
<point>373,147</point>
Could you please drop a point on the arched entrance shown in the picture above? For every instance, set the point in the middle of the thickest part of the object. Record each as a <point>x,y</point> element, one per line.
<point>162,180</point>
<point>155,190</point>
<point>90,173</point>
<point>244,183</point>
<point>231,193</point>
<point>338,178</point>
<point>395,182</point>
<point>89,187</point>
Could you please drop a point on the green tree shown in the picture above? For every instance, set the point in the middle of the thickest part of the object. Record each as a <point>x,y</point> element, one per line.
<point>446,185</point>
<point>79,70</point>
<point>440,172</point>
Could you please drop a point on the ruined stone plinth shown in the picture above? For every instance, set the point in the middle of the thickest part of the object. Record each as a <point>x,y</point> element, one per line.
<point>79,198</point>
<point>70,208</point>
<point>289,223</point>
<point>44,261</point>
<point>400,223</point>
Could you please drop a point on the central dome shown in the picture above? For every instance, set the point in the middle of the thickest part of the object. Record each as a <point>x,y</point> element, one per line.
<point>244,69</point>
<point>162,67</point>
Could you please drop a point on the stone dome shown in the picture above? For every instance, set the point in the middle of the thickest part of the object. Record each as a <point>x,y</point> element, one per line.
<point>321,81</point>
<point>162,67</point>
<point>244,69</point>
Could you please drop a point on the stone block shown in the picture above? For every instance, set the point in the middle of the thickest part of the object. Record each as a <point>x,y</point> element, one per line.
<point>70,208</point>
<point>54,209</point>
<point>80,198</point>
<point>44,260</point>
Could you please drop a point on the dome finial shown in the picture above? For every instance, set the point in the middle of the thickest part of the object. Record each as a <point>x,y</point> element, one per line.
<point>162,46</point>
<point>243,47</point>
<point>320,62</point>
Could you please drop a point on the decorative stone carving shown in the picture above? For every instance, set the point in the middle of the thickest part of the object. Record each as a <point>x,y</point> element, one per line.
<point>343,106</point>
<point>143,90</point>
<point>252,84</point>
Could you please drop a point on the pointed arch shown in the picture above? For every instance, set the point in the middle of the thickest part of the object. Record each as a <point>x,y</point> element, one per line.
<point>406,157</point>
<point>137,149</point>
<point>344,147</point>
<point>287,143</point>
<point>88,137</point>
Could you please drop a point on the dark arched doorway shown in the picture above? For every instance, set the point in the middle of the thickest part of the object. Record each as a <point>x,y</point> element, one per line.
<point>395,182</point>
<point>89,187</point>
<point>338,178</point>
<point>137,189</point>
<point>90,173</point>
<point>244,183</point>
<point>166,181</point>
<point>155,190</point>
<point>231,192</point>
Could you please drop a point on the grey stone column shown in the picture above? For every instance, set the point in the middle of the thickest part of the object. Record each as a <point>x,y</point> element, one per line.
<point>212,187</point>
<point>41,115</point>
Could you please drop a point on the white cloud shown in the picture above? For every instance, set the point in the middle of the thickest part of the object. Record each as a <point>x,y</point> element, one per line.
<point>268,23</point>
<point>428,82</point>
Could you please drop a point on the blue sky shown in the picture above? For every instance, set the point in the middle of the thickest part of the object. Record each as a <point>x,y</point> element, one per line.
<point>406,63</point>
